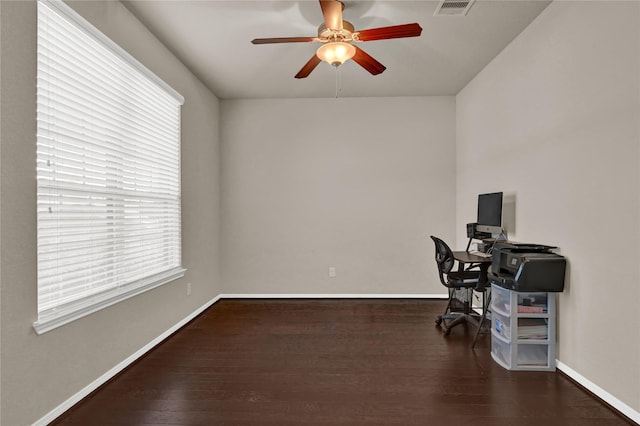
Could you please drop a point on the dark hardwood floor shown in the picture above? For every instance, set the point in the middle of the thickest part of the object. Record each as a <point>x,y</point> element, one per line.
<point>331,362</point>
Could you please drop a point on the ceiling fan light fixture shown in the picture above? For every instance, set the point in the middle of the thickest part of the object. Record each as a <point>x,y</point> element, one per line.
<point>336,52</point>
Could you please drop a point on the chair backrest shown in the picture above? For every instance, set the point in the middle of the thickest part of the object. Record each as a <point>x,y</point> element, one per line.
<point>444,259</point>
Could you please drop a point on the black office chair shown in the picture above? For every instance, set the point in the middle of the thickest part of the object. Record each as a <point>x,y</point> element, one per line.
<point>453,280</point>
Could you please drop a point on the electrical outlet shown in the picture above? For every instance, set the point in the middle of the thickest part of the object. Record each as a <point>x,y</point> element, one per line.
<point>188,289</point>
<point>332,272</point>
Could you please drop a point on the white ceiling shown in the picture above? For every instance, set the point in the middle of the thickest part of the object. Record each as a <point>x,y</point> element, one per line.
<point>213,38</point>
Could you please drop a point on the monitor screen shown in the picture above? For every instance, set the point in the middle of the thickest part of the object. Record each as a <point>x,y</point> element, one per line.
<point>490,212</point>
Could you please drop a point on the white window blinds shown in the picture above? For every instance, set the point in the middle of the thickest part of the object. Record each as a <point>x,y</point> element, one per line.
<point>108,171</point>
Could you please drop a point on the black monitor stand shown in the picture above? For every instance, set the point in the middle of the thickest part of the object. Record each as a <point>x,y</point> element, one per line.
<point>477,236</point>
<point>469,244</point>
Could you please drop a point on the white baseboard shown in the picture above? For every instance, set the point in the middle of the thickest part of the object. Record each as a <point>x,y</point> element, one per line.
<point>331,296</point>
<point>599,392</point>
<point>53,414</point>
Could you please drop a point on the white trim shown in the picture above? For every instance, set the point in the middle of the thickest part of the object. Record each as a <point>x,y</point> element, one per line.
<point>56,412</point>
<point>66,405</point>
<point>599,392</point>
<point>59,319</point>
<point>331,296</point>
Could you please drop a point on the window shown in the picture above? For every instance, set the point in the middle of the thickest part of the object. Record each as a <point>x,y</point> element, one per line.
<point>108,171</point>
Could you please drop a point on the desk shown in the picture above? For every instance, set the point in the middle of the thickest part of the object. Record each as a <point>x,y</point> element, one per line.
<point>466,258</point>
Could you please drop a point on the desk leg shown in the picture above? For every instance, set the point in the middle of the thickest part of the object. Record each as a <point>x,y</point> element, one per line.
<point>486,302</point>
<point>483,278</point>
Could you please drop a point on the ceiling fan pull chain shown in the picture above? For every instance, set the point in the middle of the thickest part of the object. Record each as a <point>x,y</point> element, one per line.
<point>338,82</point>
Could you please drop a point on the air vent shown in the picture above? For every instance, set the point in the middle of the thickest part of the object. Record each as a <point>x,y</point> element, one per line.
<point>453,7</point>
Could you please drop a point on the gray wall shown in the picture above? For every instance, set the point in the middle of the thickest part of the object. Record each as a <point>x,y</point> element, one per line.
<point>357,184</point>
<point>41,372</point>
<point>554,122</point>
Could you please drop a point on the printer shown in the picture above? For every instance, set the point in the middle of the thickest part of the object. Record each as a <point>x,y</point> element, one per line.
<point>527,267</point>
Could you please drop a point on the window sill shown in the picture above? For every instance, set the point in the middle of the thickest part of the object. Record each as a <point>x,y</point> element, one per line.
<point>59,317</point>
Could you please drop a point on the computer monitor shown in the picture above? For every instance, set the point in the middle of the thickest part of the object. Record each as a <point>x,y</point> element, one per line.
<point>490,213</point>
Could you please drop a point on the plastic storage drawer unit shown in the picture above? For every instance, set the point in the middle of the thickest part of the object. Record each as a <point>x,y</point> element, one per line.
<point>523,329</point>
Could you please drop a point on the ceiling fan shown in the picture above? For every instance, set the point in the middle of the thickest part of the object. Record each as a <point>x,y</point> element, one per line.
<point>335,34</point>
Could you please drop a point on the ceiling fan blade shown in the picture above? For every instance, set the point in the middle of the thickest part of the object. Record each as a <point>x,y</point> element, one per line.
<point>394,31</point>
<point>283,40</point>
<point>332,12</point>
<point>367,62</point>
<point>308,67</point>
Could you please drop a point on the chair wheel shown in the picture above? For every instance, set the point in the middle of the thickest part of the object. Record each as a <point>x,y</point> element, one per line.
<point>439,320</point>
<point>447,331</point>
